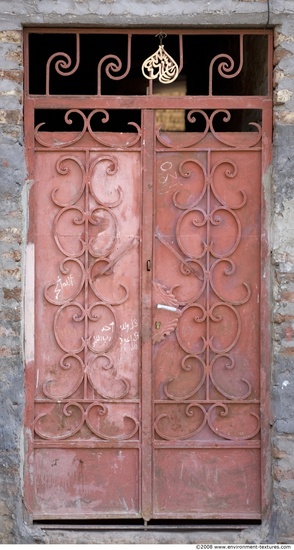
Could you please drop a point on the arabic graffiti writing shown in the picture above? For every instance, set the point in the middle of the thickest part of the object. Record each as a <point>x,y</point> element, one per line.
<point>61,284</point>
<point>106,334</point>
<point>129,326</point>
<point>130,342</point>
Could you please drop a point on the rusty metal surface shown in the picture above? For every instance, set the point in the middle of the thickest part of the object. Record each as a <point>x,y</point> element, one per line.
<point>143,394</point>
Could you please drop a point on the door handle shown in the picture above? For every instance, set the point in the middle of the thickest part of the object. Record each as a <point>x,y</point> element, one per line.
<point>167,308</point>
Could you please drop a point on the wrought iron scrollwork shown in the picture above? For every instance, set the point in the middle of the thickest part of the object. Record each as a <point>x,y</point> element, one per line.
<point>117,66</point>
<point>63,64</point>
<point>209,385</point>
<point>85,230</point>
<point>66,419</point>
<point>87,122</point>
<point>192,139</point>
<point>226,68</point>
<point>114,66</point>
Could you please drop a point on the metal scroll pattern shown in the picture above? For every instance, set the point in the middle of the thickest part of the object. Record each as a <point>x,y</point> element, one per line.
<point>159,65</point>
<point>111,63</point>
<point>87,121</point>
<point>204,317</point>
<point>83,391</point>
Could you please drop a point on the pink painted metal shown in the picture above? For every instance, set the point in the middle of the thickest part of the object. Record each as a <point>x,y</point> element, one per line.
<point>144,397</point>
<point>206,294</point>
<point>87,237</point>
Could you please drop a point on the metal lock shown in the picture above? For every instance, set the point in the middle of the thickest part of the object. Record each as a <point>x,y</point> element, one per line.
<point>157,324</point>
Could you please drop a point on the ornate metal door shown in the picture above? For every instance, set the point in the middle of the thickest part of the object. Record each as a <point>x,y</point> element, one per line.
<point>144,379</point>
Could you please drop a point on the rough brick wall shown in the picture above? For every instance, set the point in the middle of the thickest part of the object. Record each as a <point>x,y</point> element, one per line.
<point>13,206</point>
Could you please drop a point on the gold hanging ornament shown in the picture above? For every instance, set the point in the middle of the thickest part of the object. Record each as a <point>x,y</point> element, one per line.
<point>160,65</point>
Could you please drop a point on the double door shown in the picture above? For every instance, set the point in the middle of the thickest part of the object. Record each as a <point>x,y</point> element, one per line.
<point>144,391</point>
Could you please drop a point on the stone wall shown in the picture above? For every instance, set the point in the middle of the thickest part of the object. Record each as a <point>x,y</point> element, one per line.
<point>13,206</point>
<point>283,282</point>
